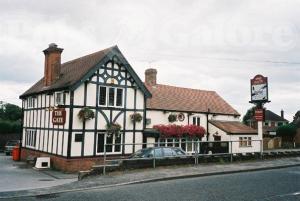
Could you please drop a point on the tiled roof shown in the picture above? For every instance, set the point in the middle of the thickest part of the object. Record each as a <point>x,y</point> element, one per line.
<point>71,72</point>
<point>233,127</point>
<point>271,116</point>
<point>173,98</point>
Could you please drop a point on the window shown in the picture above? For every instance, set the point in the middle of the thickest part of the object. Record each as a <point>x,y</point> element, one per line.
<point>266,123</point>
<point>60,98</point>
<point>111,96</point>
<point>119,99</point>
<point>31,102</point>
<point>78,137</point>
<point>245,141</point>
<point>196,121</point>
<point>279,123</point>
<point>186,145</point>
<point>113,140</point>
<point>30,138</point>
<point>102,98</point>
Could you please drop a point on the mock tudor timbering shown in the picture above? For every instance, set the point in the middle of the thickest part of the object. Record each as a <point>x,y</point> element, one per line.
<point>106,86</point>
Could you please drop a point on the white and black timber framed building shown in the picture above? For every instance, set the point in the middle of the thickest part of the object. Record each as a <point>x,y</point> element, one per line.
<point>107,84</point>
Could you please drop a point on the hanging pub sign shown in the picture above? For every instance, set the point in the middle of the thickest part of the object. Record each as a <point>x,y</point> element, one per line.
<point>259,89</point>
<point>259,114</point>
<point>58,116</point>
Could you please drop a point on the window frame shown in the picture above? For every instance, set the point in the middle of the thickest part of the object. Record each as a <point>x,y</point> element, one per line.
<point>31,102</point>
<point>245,141</point>
<point>113,146</point>
<point>196,120</point>
<point>30,138</point>
<point>115,97</point>
<point>177,142</point>
<point>63,97</point>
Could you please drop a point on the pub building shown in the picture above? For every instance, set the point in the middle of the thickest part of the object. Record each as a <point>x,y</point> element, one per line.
<point>80,105</point>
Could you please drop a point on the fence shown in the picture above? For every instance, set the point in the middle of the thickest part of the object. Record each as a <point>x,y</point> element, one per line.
<point>195,149</point>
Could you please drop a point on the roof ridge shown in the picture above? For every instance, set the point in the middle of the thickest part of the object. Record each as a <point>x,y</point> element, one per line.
<point>94,53</point>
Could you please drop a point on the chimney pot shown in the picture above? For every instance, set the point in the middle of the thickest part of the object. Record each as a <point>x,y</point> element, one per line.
<point>282,114</point>
<point>150,76</point>
<point>52,64</point>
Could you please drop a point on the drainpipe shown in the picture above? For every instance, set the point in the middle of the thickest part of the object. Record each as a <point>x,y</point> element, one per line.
<point>207,133</point>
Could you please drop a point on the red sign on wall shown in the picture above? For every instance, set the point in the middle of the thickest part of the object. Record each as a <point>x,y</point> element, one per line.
<point>59,117</point>
<point>259,114</point>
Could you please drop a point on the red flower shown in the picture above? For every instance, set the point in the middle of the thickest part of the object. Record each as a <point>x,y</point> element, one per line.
<point>178,131</point>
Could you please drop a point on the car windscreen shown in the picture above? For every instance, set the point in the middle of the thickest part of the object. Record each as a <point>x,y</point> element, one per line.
<point>141,153</point>
<point>179,152</point>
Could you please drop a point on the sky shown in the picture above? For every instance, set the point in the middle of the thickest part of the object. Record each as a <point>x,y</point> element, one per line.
<point>211,45</point>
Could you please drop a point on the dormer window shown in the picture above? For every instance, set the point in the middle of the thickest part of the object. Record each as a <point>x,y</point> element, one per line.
<point>31,102</point>
<point>60,98</point>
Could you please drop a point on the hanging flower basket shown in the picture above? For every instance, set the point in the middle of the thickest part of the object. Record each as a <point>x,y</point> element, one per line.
<point>136,117</point>
<point>172,118</point>
<point>113,129</point>
<point>178,131</point>
<point>86,114</point>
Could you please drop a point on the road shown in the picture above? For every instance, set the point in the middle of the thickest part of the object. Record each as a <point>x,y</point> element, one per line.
<point>269,185</point>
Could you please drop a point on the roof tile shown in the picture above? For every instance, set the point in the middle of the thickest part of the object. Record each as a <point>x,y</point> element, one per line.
<point>167,97</point>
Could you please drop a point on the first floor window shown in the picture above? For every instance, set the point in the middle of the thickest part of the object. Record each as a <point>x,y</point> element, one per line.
<point>102,97</point>
<point>110,96</point>
<point>30,138</point>
<point>60,98</point>
<point>245,141</point>
<point>31,102</point>
<point>196,121</point>
<point>112,143</point>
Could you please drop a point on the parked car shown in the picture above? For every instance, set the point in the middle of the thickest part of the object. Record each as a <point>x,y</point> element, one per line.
<point>159,152</point>
<point>9,146</point>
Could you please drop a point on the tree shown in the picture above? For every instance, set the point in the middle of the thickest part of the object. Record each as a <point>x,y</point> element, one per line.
<point>287,132</point>
<point>249,114</point>
<point>10,118</point>
<point>296,120</point>
<point>10,112</point>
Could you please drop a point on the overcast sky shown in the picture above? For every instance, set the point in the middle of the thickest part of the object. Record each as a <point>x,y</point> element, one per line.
<point>211,45</point>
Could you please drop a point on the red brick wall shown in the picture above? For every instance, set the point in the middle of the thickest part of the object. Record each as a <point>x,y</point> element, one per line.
<point>63,164</point>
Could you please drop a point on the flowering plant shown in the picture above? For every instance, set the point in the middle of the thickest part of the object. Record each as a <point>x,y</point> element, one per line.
<point>113,128</point>
<point>136,117</point>
<point>172,118</point>
<point>86,114</point>
<point>178,131</point>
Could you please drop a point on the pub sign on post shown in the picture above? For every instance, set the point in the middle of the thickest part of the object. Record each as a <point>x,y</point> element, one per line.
<point>259,89</point>
<point>59,117</point>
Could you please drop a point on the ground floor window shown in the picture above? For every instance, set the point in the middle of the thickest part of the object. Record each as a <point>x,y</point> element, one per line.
<point>188,145</point>
<point>30,138</point>
<point>113,140</point>
<point>245,141</point>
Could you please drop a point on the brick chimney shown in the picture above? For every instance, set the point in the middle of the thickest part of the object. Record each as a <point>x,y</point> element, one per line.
<point>150,76</point>
<point>52,64</point>
<point>282,113</point>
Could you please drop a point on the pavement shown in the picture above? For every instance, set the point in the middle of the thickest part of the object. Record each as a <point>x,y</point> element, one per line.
<point>18,176</point>
<point>158,174</point>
